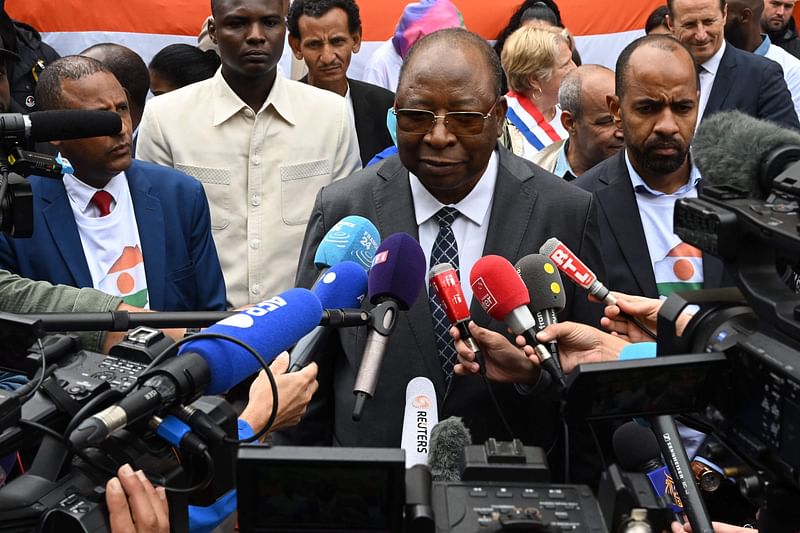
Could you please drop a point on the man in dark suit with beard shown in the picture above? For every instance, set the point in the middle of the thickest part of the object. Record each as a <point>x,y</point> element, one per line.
<point>450,176</point>
<point>326,34</point>
<point>656,105</point>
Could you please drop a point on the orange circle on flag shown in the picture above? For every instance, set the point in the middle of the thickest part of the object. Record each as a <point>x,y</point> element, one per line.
<point>125,283</point>
<point>684,270</point>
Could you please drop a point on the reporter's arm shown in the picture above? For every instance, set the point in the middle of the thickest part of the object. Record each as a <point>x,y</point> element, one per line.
<point>22,295</point>
<point>504,361</point>
<point>294,393</point>
<point>579,343</point>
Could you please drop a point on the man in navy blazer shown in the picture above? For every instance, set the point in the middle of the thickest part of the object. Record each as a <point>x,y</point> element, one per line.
<point>180,270</point>
<point>729,78</point>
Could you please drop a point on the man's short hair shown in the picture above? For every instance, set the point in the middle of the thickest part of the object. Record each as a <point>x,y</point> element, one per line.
<point>461,39</point>
<point>129,68</point>
<point>571,90</point>
<point>48,89</point>
<point>318,8</point>
<point>660,41</point>
<point>531,50</point>
<point>671,6</point>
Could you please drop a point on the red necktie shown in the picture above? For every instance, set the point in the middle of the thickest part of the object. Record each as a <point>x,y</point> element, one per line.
<point>102,201</point>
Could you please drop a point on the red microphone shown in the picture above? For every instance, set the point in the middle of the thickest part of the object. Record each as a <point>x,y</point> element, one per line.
<point>503,295</point>
<point>581,275</point>
<point>444,281</point>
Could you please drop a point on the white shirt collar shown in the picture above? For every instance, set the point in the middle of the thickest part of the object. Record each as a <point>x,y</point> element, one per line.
<point>712,64</point>
<point>639,185</point>
<point>81,194</point>
<point>474,206</point>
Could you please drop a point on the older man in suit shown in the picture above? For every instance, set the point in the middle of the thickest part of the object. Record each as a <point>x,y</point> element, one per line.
<point>450,180</point>
<point>729,78</point>
<point>325,34</point>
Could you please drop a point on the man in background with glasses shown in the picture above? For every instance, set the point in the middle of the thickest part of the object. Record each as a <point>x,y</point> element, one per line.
<point>452,187</point>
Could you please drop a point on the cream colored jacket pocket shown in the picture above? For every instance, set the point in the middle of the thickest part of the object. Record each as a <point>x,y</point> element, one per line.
<point>217,184</point>
<point>299,186</point>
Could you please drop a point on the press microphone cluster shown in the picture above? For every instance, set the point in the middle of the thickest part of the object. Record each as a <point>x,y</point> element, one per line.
<point>501,292</point>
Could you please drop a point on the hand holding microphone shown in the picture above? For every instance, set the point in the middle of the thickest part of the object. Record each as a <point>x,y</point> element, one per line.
<point>581,275</point>
<point>294,393</point>
<point>504,362</point>
<point>444,281</point>
<point>503,295</point>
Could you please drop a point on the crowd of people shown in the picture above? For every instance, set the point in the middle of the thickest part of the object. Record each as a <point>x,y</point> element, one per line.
<point>217,191</point>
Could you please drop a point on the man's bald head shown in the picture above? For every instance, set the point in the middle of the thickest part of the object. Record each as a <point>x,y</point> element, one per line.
<point>456,39</point>
<point>667,43</point>
<point>584,79</point>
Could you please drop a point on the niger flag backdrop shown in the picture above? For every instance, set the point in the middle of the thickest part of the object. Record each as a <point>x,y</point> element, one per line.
<point>602,27</point>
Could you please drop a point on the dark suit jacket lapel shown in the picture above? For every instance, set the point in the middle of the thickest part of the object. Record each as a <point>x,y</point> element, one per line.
<point>394,209</point>
<point>723,81</point>
<point>618,202</point>
<point>61,224</point>
<point>150,222</point>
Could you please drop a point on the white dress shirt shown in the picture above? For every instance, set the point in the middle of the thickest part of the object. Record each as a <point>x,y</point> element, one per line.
<point>708,72</point>
<point>469,228</point>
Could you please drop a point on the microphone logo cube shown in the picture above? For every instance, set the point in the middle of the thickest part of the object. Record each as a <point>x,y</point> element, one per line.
<point>380,258</point>
<point>483,295</point>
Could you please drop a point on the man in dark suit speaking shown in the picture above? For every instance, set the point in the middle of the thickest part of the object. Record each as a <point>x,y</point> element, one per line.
<point>326,34</point>
<point>729,78</point>
<point>450,175</point>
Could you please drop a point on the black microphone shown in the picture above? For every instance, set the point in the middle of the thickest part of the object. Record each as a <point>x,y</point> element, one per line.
<point>58,125</point>
<point>449,439</point>
<point>736,150</point>
<point>637,450</point>
<point>395,280</point>
<point>545,292</point>
<point>675,454</point>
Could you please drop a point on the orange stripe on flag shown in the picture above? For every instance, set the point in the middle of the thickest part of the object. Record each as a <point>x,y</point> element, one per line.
<point>379,17</point>
<point>131,256</point>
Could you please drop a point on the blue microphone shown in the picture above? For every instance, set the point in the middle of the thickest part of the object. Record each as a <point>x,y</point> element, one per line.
<point>343,286</point>
<point>353,238</point>
<point>210,366</point>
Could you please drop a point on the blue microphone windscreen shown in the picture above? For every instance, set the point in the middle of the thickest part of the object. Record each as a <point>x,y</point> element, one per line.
<point>270,327</point>
<point>398,270</point>
<point>353,238</point>
<point>343,286</point>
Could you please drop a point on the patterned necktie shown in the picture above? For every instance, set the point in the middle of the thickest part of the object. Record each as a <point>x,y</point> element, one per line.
<point>102,201</point>
<point>445,250</point>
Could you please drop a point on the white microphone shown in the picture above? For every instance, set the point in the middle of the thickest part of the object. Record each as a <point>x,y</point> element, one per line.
<point>421,414</point>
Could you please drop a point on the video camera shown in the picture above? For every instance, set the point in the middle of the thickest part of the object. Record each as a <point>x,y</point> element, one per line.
<point>755,405</point>
<point>59,493</point>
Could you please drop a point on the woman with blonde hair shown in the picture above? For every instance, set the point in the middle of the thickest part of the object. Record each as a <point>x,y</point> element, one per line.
<point>535,58</point>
